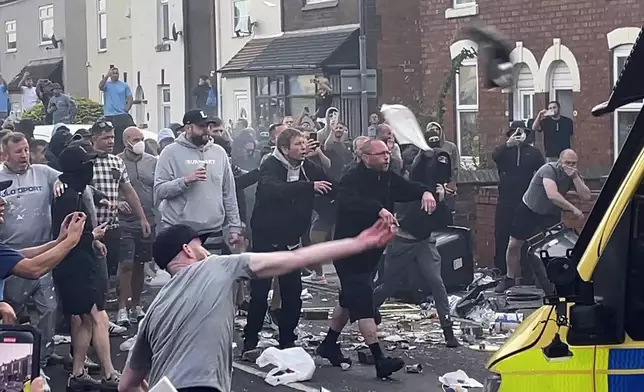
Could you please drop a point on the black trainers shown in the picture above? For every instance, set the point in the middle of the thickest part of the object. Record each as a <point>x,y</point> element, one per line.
<point>333,354</point>
<point>91,366</point>
<point>504,284</point>
<point>250,351</point>
<point>82,382</point>
<point>450,339</point>
<point>286,345</point>
<point>387,366</point>
<point>111,383</point>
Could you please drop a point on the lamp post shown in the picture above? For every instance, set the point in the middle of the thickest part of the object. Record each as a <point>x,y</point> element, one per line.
<point>364,109</point>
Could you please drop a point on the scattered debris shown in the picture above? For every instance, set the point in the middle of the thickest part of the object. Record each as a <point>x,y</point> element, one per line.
<point>305,295</point>
<point>459,379</point>
<point>62,339</point>
<point>415,368</point>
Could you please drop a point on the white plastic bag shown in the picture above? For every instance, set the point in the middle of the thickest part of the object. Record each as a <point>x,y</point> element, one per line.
<point>404,126</point>
<point>291,365</point>
<point>459,379</point>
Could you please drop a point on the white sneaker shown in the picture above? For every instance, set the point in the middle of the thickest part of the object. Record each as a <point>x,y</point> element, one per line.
<point>122,318</point>
<point>160,279</point>
<point>137,314</point>
<point>315,278</point>
<point>116,330</point>
<point>128,344</point>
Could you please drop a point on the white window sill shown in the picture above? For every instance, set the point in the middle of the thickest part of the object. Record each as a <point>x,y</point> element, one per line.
<point>320,5</point>
<point>11,50</point>
<point>461,12</point>
<point>102,51</point>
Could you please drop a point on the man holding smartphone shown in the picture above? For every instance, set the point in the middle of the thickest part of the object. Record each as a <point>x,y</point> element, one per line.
<point>557,130</point>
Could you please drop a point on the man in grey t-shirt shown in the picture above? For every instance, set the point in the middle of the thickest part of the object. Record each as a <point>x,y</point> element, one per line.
<point>187,334</point>
<point>541,208</point>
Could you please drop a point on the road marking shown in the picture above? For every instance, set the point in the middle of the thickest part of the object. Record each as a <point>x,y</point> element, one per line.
<point>255,372</point>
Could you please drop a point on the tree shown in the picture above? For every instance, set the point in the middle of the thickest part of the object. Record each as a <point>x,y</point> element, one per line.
<point>88,111</point>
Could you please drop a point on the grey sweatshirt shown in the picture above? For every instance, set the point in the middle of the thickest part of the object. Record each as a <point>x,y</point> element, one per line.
<point>62,108</point>
<point>207,206</point>
<point>27,217</point>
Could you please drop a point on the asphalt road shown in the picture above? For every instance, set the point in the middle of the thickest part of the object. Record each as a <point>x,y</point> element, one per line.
<point>436,360</point>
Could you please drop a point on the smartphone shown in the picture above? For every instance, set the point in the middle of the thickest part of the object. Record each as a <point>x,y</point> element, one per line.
<point>550,112</point>
<point>20,349</point>
<point>111,66</point>
<point>313,136</point>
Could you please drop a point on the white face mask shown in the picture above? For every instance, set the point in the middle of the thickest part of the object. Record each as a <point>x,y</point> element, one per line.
<point>138,148</point>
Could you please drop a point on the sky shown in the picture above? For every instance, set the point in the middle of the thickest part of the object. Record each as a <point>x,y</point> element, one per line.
<point>11,351</point>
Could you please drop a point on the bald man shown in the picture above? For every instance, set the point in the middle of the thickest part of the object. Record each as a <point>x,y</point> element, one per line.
<point>135,248</point>
<point>384,133</point>
<point>541,208</point>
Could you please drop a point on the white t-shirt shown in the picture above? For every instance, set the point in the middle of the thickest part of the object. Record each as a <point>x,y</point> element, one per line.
<point>29,97</point>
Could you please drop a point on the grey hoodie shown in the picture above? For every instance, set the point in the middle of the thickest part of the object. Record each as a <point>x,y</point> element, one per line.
<point>292,172</point>
<point>324,133</point>
<point>27,217</point>
<point>207,206</point>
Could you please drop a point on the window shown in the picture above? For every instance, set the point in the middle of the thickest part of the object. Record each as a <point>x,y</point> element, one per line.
<point>166,107</point>
<point>12,36</point>
<point>526,108</point>
<point>467,107</point>
<point>102,25</point>
<point>301,94</point>
<point>523,93</point>
<point>46,16</point>
<point>624,117</point>
<point>270,100</point>
<point>101,97</point>
<point>164,19</point>
<point>241,17</point>
<point>463,3</point>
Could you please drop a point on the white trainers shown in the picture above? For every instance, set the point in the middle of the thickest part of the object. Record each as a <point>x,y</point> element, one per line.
<point>116,330</point>
<point>123,318</point>
<point>137,314</point>
<point>160,279</point>
<point>315,278</point>
<point>128,344</point>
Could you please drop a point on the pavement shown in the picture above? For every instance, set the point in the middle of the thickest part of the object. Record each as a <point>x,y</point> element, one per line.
<point>434,357</point>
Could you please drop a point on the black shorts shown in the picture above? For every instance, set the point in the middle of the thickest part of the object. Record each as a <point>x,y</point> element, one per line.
<point>356,295</point>
<point>79,292</point>
<point>112,241</point>
<point>134,247</point>
<point>527,223</point>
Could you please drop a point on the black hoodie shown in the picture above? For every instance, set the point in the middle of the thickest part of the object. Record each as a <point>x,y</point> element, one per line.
<point>61,136</point>
<point>516,166</point>
<point>362,193</point>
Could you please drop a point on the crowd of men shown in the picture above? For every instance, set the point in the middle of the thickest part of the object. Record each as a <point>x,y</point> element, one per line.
<point>305,198</point>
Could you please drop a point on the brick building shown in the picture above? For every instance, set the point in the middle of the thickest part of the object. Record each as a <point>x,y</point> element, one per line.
<point>571,51</point>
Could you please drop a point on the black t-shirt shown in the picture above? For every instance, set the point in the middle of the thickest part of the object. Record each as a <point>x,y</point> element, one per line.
<point>556,135</point>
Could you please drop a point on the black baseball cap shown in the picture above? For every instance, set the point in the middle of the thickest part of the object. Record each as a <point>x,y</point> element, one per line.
<point>170,241</point>
<point>514,125</point>
<point>73,156</point>
<point>197,117</point>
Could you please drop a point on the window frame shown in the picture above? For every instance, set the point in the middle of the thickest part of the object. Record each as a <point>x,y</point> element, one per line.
<point>164,20</point>
<point>465,108</point>
<point>285,95</point>
<point>101,18</point>
<point>622,51</point>
<point>469,3</point>
<point>8,33</point>
<point>247,16</point>
<point>165,104</point>
<point>42,19</point>
<point>519,114</point>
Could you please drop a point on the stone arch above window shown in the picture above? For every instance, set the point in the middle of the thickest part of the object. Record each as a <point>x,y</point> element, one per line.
<point>557,52</point>
<point>521,56</point>
<point>458,46</point>
<point>622,36</point>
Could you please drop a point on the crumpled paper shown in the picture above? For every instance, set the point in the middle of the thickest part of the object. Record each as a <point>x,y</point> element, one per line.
<point>459,379</point>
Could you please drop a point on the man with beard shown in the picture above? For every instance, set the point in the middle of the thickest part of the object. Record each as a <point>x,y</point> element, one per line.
<point>283,207</point>
<point>516,161</point>
<point>196,306</point>
<point>80,279</point>
<point>365,195</point>
<point>194,184</point>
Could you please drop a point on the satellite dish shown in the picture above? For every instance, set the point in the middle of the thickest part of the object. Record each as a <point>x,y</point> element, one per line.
<point>175,33</point>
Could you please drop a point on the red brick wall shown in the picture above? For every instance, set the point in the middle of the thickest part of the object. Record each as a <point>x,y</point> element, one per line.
<point>484,224</point>
<point>297,16</point>
<point>413,29</point>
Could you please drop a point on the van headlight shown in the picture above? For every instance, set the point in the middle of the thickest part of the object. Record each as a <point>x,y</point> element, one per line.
<point>492,383</point>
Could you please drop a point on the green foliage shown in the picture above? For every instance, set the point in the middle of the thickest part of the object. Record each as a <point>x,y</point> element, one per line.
<point>88,111</point>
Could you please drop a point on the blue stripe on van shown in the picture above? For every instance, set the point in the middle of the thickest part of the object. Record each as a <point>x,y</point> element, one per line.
<point>623,383</point>
<point>628,358</point>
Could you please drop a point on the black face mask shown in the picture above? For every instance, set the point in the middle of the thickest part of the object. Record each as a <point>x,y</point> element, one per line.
<point>434,144</point>
<point>80,178</point>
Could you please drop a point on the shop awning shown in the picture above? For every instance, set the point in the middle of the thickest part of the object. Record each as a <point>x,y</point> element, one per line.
<point>297,51</point>
<point>630,85</point>
<point>51,69</point>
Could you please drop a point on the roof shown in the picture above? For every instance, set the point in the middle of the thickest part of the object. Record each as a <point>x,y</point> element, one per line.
<point>51,69</point>
<point>630,84</point>
<point>292,50</point>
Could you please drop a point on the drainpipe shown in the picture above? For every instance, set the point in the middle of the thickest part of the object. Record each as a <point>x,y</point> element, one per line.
<point>364,108</point>
<point>187,51</point>
<point>220,87</point>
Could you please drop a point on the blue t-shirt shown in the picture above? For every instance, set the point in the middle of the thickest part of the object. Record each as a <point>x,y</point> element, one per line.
<point>4,99</point>
<point>115,96</point>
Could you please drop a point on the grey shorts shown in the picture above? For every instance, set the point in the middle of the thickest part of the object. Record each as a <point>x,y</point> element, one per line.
<point>133,247</point>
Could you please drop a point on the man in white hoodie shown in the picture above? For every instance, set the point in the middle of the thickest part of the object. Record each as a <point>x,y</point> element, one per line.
<point>194,184</point>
